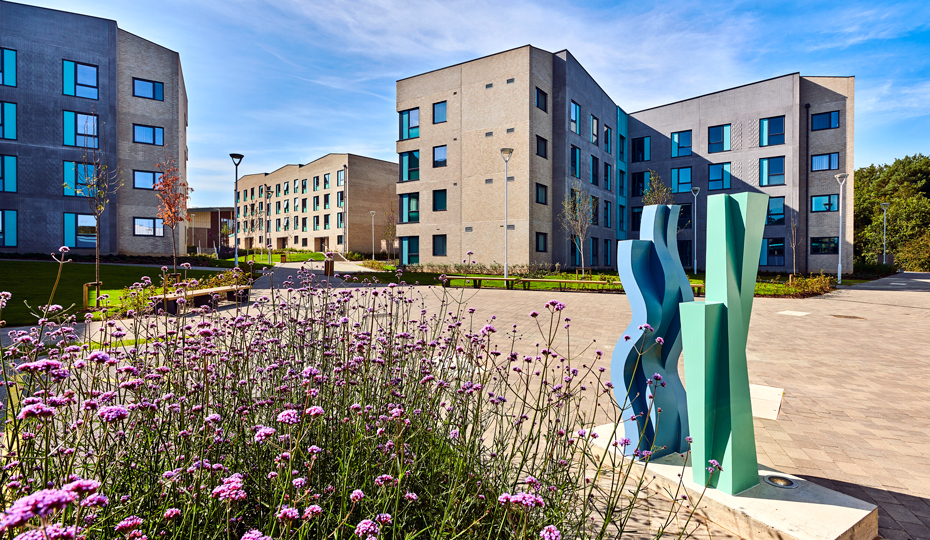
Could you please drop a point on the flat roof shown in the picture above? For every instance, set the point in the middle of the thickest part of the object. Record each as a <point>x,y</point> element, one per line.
<point>472,60</point>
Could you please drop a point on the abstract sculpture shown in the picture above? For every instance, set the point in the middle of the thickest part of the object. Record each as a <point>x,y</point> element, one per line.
<point>655,284</point>
<point>714,335</point>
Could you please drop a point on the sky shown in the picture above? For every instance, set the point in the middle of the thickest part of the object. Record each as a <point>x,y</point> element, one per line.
<point>288,81</point>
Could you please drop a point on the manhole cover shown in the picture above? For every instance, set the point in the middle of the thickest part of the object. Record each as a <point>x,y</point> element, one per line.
<point>848,317</point>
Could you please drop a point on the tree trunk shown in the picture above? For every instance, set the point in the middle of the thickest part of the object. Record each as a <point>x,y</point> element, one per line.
<point>174,250</point>
<point>97,262</point>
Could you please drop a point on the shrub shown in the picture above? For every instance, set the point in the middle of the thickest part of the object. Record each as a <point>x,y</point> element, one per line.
<point>915,255</point>
<point>531,270</point>
<point>872,270</point>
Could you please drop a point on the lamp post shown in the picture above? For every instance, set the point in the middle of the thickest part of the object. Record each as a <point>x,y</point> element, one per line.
<point>694,191</point>
<point>884,230</point>
<point>506,153</point>
<point>372,234</point>
<point>841,179</point>
<point>268,220</point>
<point>236,159</point>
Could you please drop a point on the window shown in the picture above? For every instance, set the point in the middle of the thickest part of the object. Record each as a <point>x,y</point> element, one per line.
<point>287,206</point>
<point>410,250</point>
<point>607,176</point>
<point>607,145</point>
<point>772,131</point>
<point>340,223</point>
<point>439,245</point>
<point>410,208</point>
<point>489,85</point>
<point>326,221</point>
<point>773,252</point>
<point>148,227</point>
<point>287,188</point>
<point>8,228</point>
<point>316,223</point>
<point>303,225</point>
<point>828,120</point>
<point>542,147</point>
<point>542,242</point>
<point>607,214</point>
<point>489,134</point>
<point>510,81</point>
<point>148,135</point>
<point>325,201</point>
<point>640,181</point>
<point>77,176</point>
<point>684,217</point>
<point>316,203</point>
<point>439,200</point>
<point>8,174</point>
<point>303,241</point>
<point>684,253</point>
<point>621,181</point>
<point>316,183</point>
<point>145,179</point>
<point>595,170</point>
<point>542,194</point>
<point>718,139</point>
<point>825,162</point>
<point>594,243</point>
<point>825,245</point>
<point>79,80</point>
<point>341,199</point>
<point>825,203</point>
<point>681,144</point>
<point>326,182</point>
<point>80,129</point>
<point>340,179</point>
<point>439,156</point>
<point>277,207</point>
<point>772,171</point>
<point>637,218</point>
<point>776,211</point>
<point>488,180</point>
<point>681,180</point>
<point>80,230</point>
<point>409,124</point>
<point>7,120</point>
<point>595,207</point>
<point>575,118</point>
<point>641,149</point>
<point>718,176</point>
<point>277,224</point>
<point>621,217</point>
<point>261,190</point>
<point>7,67</point>
<point>439,112</point>
<point>148,89</point>
<point>621,148</point>
<point>303,185</point>
<point>576,162</point>
<point>541,100</point>
<point>594,130</point>
<point>607,252</point>
<point>410,166</point>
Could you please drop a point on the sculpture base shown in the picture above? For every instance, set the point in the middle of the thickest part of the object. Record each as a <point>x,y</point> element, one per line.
<point>807,512</point>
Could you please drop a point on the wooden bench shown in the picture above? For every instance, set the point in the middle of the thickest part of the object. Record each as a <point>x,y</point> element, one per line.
<point>476,281</point>
<point>697,288</point>
<point>563,282</point>
<point>200,297</point>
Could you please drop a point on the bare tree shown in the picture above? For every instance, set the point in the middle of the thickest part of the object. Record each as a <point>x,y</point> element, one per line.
<point>96,180</point>
<point>657,192</point>
<point>795,241</point>
<point>577,214</point>
<point>173,194</point>
<point>390,229</point>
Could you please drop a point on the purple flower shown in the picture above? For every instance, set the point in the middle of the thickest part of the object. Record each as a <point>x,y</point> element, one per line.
<point>549,532</point>
<point>289,416</point>
<point>534,314</point>
<point>656,377</point>
<point>36,410</point>
<point>113,413</point>
<point>660,341</point>
<point>82,486</point>
<point>689,439</point>
<point>299,482</point>
<point>230,489</point>
<point>627,338</point>
<point>97,499</point>
<point>40,365</point>
<point>312,511</point>
<point>314,450</point>
<point>64,249</point>
<point>384,519</point>
<point>454,434</point>
<point>264,433</point>
<point>255,534</point>
<point>39,504</point>
<point>286,513</point>
<point>129,524</point>
<point>314,411</point>
<point>172,513</point>
<point>367,528</point>
<point>411,496</point>
<point>356,495</point>
<point>384,479</point>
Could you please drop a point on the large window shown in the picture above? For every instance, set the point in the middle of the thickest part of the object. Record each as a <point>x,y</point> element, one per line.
<point>145,179</point>
<point>681,144</point>
<point>542,242</point>
<point>825,203</point>
<point>684,217</point>
<point>772,171</point>
<point>326,223</point>
<point>776,211</point>
<point>7,67</point>
<point>316,223</point>
<point>148,89</point>
<point>607,140</point>
<point>593,251</point>
<point>316,183</point>
<point>8,228</point>
<point>439,112</point>
<point>825,162</point>
<point>340,179</point>
<point>641,150</point>
<point>326,181</point>
<point>595,210</point>
<point>607,243</point>
<point>575,119</point>
<point>8,120</point>
<point>316,203</point>
<point>409,124</point>
<point>80,129</point>
<point>718,176</point>
<point>542,147</point>
<point>148,227</point>
<point>78,179</point>
<point>637,219</point>
<point>594,130</point>
<point>576,162</point>
<point>325,202</point>
<point>595,170</point>
<point>439,156</point>
<point>79,80</point>
<point>409,250</point>
<point>621,148</point>
<point>621,217</point>
<point>148,135</point>
<point>772,131</point>
<point>410,166</point>
<point>439,245</point>
<point>718,139</point>
<point>8,174</point>
<point>827,120</point>
<point>340,199</point>
<point>607,214</point>
<point>681,180</point>
<point>825,245</point>
<point>607,176</point>
<point>439,200</point>
<point>80,230</point>
<point>542,194</point>
<point>542,100</point>
<point>773,252</point>
<point>410,208</point>
<point>640,181</point>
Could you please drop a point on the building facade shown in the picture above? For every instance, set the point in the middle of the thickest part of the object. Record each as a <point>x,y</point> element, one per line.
<point>210,228</point>
<point>79,96</point>
<point>324,205</point>
<point>788,137</point>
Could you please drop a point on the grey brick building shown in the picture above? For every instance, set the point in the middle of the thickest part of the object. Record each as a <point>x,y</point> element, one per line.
<point>72,85</point>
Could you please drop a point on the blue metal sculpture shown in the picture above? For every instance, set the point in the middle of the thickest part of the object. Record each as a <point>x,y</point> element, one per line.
<point>655,284</point>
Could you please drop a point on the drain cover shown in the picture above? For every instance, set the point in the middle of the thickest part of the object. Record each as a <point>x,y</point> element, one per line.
<point>848,317</point>
<point>780,481</point>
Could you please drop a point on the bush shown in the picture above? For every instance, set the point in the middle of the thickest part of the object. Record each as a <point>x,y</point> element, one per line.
<point>915,255</point>
<point>531,270</point>
<point>872,270</point>
<point>352,256</point>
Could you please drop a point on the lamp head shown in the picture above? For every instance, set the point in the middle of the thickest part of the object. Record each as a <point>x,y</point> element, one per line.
<point>372,213</point>
<point>885,205</point>
<point>695,190</point>
<point>237,159</point>
<point>506,153</point>
<point>841,177</point>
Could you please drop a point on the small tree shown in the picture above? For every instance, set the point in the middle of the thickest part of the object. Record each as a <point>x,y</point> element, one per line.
<point>657,192</point>
<point>576,215</point>
<point>390,229</point>
<point>795,241</point>
<point>173,194</point>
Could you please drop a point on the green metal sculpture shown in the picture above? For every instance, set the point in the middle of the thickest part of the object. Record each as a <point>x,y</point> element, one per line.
<point>714,336</point>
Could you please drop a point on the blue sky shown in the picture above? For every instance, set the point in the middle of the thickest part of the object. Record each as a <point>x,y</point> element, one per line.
<point>287,81</point>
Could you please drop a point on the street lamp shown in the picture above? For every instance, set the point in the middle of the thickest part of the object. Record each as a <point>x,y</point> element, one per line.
<point>695,191</point>
<point>372,234</point>
<point>506,153</point>
<point>841,179</point>
<point>268,220</point>
<point>884,230</point>
<point>236,159</point>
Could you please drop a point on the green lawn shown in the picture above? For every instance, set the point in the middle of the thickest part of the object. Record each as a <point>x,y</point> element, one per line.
<point>32,281</point>
<point>298,256</point>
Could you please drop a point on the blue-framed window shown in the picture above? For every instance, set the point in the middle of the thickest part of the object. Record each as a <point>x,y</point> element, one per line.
<point>773,252</point>
<point>641,149</point>
<point>640,183</point>
<point>772,171</point>
<point>681,180</point>
<point>607,260</point>
<point>80,230</point>
<point>825,245</point>
<point>148,227</point>
<point>595,210</point>
<point>595,170</point>
<point>410,250</point>
<point>607,176</point>
<point>772,131</point>
<point>621,148</point>
<point>621,181</point>
<point>637,219</point>
<point>340,179</point>
<point>7,67</point>
<point>439,112</point>
<point>7,120</point>
<point>326,182</point>
<point>595,128</point>
<point>595,242</point>
<point>575,118</point>
<point>325,202</point>
<point>575,165</point>
<point>77,179</point>
<point>148,89</point>
<point>316,183</point>
<point>776,211</point>
<point>825,203</point>
<point>326,223</point>
<point>8,228</point>
<point>80,80</point>
<point>316,223</point>
<point>542,242</point>
<point>825,162</point>
<point>607,214</point>
<point>684,217</point>
<point>608,147</point>
<point>621,217</point>
<point>148,135</point>
<point>718,139</point>
<point>410,166</point>
<point>827,120</point>
<point>340,199</point>
<point>681,143</point>
<point>439,200</point>
<point>542,100</point>
<point>316,202</point>
<point>340,221</point>
<point>718,176</point>
<point>439,245</point>
<point>439,156</point>
<point>409,124</point>
<point>410,208</point>
<point>8,174</point>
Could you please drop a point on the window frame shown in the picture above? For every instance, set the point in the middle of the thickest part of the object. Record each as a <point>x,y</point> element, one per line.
<point>79,135</point>
<point>595,131</point>
<point>686,214</point>
<point>677,146</point>
<point>764,177</point>
<point>445,200</point>
<point>4,227</point>
<point>676,179</point>
<point>155,131</point>
<point>574,164</point>
<point>415,195</point>
<point>645,152</point>
<point>830,121</point>
<point>765,133</point>
<point>766,247</point>
<point>545,100</point>
<point>154,221</point>
<point>545,147</point>
<point>155,179</point>
<point>545,194</point>
<point>409,170</point>
<point>608,139</point>
<point>595,171</point>
<point>155,93</point>
<point>445,245</point>
<point>75,65</point>
<point>545,242</point>
<point>769,214</point>
<point>402,119</point>
<point>77,217</point>
<point>6,159</point>
<point>574,118</point>
<point>725,177</point>
<point>443,162</point>
<point>830,161</point>
<point>638,189</point>
<point>636,224</point>
<point>445,112</point>
<point>5,71</point>
<point>832,198</point>
<point>725,143</point>
<point>834,242</point>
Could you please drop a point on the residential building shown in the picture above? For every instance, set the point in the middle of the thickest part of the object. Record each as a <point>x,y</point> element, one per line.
<point>77,93</point>
<point>210,228</point>
<point>324,205</point>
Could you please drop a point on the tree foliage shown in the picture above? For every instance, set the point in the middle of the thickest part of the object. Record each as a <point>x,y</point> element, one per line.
<point>173,194</point>
<point>657,192</point>
<point>577,214</point>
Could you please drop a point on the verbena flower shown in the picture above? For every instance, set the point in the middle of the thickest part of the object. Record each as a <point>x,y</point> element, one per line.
<point>356,495</point>
<point>367,528</point>
<point>549,532</point>
<point>129,524</point>
<point>113,413</point>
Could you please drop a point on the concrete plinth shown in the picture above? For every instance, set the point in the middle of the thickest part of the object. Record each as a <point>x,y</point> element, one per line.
<point>807,512</point>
